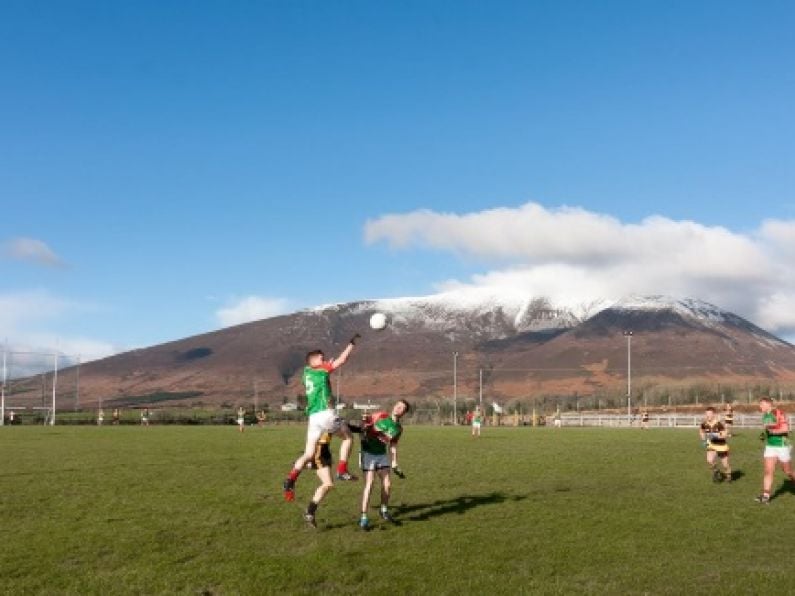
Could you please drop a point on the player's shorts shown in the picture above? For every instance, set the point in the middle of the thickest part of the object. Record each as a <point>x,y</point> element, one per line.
<point>475,424</point>
<point>321,458</point>
<point>783,454</point>
<point>326,421</point>
<point>240,421</point>
<point>374,461</point>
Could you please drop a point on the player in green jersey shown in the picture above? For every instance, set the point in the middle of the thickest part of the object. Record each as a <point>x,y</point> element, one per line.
<point>477,421</point>
<point>380,432</point>
<point>777,446</point>
<point>322,415</point>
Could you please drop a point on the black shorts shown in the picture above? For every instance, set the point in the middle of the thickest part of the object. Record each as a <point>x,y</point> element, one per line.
<point>321,458</point>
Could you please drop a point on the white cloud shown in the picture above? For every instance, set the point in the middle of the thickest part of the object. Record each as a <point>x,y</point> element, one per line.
<point>30,349</point>
<point>18,308</point>
<point>32,250</point>
<point>572,255</point>
<point>250,308</point>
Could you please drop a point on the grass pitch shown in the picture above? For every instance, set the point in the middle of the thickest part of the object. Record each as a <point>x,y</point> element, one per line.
<point>198,510</point>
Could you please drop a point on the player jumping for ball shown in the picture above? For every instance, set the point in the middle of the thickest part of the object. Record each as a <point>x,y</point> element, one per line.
<point>379,432</point>
<point>321,463</point>
<point>777,446</point>
<point>713,436</point>
<point>322,417</point>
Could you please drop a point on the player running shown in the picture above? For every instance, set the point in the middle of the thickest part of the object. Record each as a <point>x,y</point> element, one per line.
<point>379,431</point>
<point>713,437</point>
<point>322,416</point>
<point>321,463</point>
<point>777,446</point>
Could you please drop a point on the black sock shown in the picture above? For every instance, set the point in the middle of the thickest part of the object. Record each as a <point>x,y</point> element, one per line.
<point>311,508</point>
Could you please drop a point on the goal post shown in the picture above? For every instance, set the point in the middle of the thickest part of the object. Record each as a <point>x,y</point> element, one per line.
<point>36,386</point>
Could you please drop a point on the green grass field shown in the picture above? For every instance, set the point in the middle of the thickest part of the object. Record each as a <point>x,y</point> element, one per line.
<point>199,510</point>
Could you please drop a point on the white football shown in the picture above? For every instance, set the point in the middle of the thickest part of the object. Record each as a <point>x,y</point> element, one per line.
<point>378,321</point>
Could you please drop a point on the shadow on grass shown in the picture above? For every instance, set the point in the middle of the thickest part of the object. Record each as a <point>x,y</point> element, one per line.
<point>787,487</point>
<point>426,511</point>
<point>458,505</point>
<point>737,474</point>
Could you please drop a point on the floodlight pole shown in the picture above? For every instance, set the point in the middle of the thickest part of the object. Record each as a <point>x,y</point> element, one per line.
<point>3,391</point>
<point>455,388</point>
<point>54,383</point>
<point>480,390</point>
<point>628,335</point>
<point>77,385</point>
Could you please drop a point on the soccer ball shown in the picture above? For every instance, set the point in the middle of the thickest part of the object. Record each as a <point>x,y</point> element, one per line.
<point>378,321</point>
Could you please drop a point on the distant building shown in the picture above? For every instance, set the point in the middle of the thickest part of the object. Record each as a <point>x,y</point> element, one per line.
<point>365,407</point>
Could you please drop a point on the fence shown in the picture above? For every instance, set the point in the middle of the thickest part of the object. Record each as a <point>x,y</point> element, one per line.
<point>672,420</point>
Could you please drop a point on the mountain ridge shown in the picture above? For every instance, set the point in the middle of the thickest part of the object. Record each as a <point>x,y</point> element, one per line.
<point>529,345</point>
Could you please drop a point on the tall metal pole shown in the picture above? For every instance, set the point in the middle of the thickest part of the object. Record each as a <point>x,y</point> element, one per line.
<point>3,390</point>
<point>54,383</point>
<point>455,388</point>
<point>628,335</point>
<point>77,385</point>
<point>480,391</point>
<point>339,386</point>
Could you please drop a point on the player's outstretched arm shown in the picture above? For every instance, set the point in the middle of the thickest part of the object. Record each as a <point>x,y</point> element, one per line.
<point>343,358</point>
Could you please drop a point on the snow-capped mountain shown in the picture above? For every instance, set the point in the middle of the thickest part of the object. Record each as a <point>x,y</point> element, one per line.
<point>488,314</point>
<point>528,344</point>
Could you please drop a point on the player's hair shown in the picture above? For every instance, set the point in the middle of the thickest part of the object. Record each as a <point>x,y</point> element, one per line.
<point>405,403</point>
<point>710,409</point>
<point>313,353</point>
<point>766,398</point>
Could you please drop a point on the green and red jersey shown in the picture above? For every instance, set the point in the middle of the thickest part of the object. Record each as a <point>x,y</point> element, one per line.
<point>317,384</point>
<point>380,430</point>
<point>776,428</point>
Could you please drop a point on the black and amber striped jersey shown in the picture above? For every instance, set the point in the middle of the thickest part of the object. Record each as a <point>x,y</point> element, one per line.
<point>712,433</point>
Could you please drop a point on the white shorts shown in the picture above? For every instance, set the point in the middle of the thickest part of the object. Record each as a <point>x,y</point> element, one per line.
<point>784,454</point>
<point>372,461</point>
<point>475,424</point>
<point>240,421</point>
<point>326,421</point>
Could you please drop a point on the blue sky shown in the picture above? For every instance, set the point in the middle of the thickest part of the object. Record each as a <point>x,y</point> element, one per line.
<point>163,163</point>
